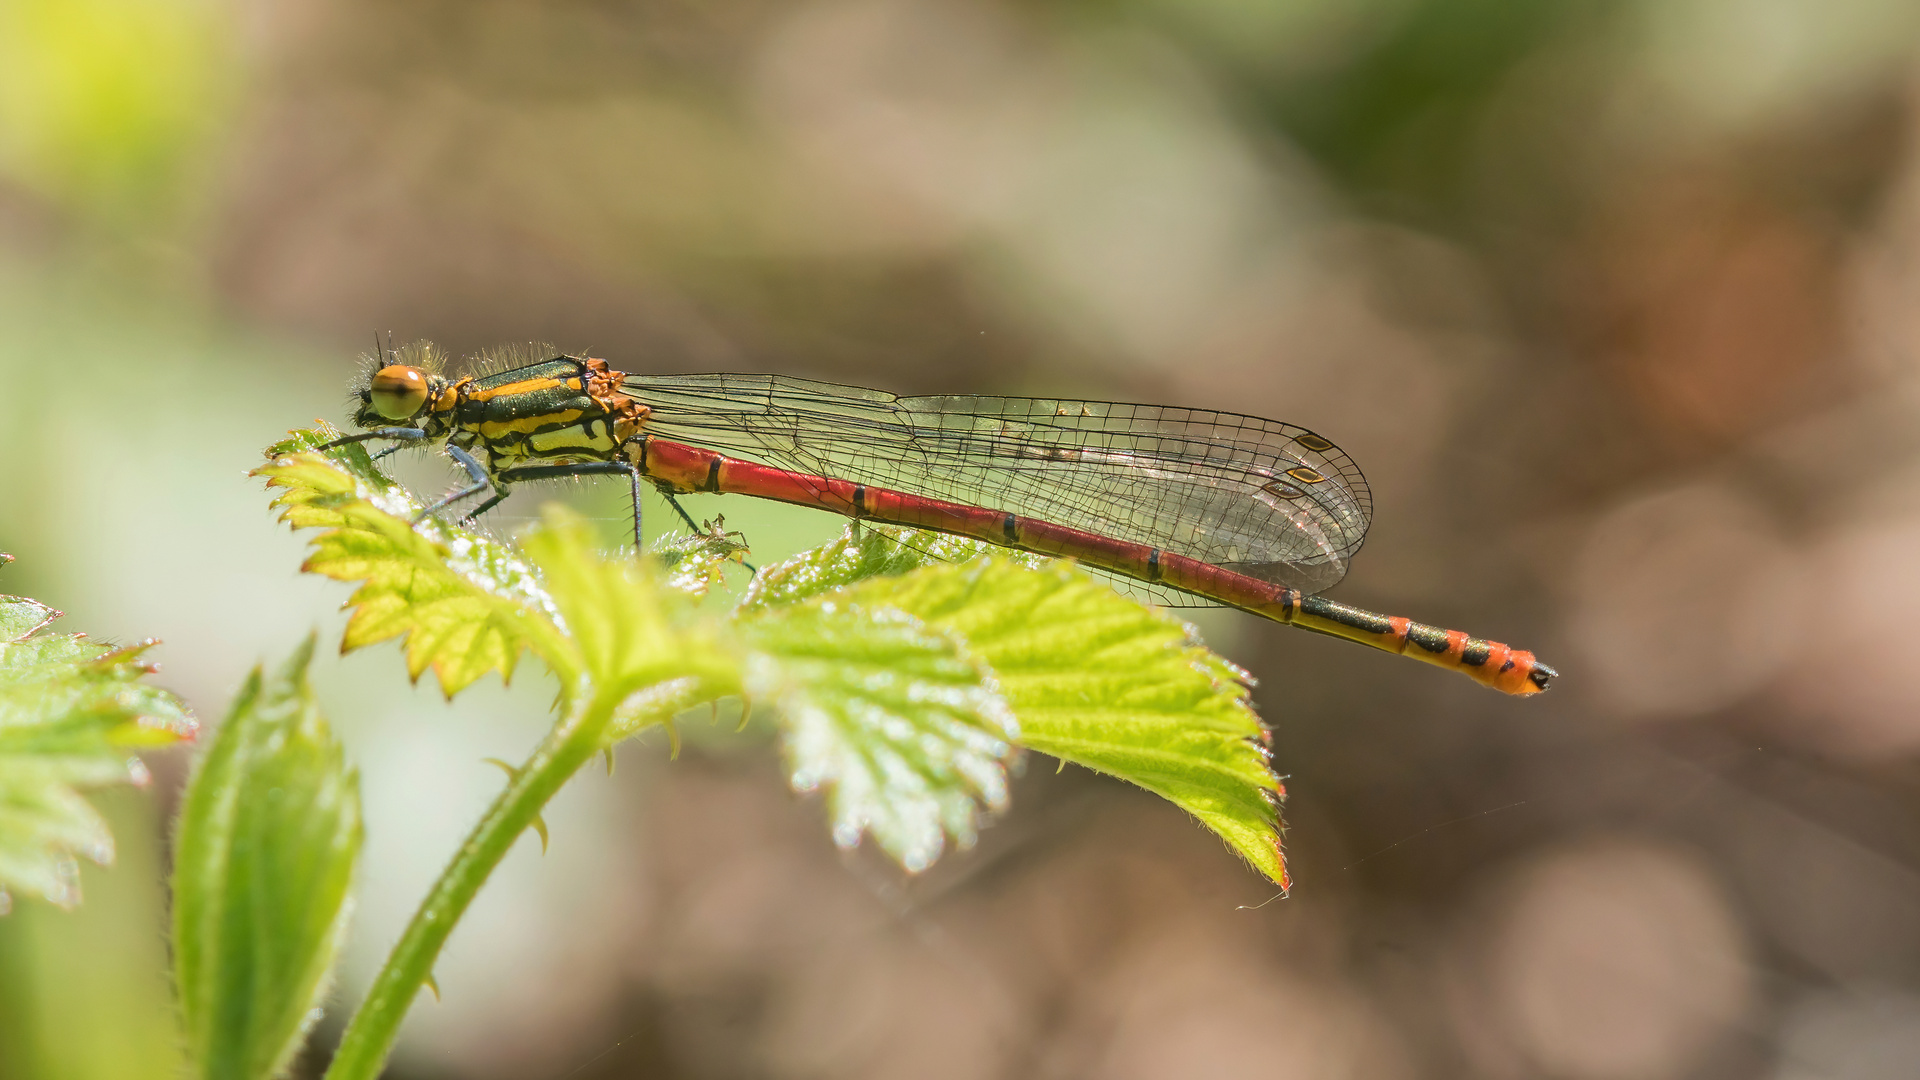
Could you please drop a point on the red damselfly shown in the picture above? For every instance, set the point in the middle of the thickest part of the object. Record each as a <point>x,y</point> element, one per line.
<point>1235,510</point>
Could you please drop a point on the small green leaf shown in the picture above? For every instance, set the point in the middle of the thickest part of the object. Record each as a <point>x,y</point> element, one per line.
<point>894,716</point>
<point>466,604</point>
<point>615,614</point>
<point>1105,682</point>
<point>264,860</point>
<point>71,714</point>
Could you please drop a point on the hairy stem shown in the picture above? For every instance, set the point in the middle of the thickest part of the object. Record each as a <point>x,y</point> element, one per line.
<point>580,734</point>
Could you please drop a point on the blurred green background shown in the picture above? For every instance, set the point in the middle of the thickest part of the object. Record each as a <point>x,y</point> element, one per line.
<point>1612,299</point>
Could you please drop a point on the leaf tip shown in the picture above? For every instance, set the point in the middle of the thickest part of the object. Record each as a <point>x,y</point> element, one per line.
<point>294,671</point>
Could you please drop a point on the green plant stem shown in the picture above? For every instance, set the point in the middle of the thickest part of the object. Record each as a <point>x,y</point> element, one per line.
<point>369,1037</point>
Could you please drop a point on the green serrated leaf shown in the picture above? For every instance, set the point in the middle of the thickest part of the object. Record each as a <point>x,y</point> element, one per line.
<point>1105,682</point>
<point>896,718</point>
<point>72,712</point>
<point>264,860</point>
<point>466,604</point>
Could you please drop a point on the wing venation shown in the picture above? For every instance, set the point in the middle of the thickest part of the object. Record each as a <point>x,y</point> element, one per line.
<point>1263,498</point>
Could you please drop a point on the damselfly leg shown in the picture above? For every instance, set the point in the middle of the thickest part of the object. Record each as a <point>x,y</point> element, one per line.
<point>401,435</point>
<point>583,468</point>
<point>595,468</point>
<point>477,473</point>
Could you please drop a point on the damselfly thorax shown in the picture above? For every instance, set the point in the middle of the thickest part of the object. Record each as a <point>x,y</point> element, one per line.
<point>1236,510</point>
<point>555,411</point>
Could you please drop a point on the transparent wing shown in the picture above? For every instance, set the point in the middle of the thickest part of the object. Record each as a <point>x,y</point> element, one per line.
<point>1266,499</point>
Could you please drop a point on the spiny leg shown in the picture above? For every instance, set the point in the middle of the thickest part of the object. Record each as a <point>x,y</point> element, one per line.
<point>400,433</point>
<point>469,517</point>
<point>481,482</point>
<point>584,468</point>
<point>633,478</point>
<point>682,511</point>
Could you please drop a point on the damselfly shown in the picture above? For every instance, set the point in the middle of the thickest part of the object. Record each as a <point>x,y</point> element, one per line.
<point>1232,509</point>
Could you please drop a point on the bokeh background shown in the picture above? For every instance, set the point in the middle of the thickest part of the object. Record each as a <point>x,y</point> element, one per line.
<point>1614,300</point>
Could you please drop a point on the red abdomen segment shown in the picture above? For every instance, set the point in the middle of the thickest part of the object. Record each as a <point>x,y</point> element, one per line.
<point>686,469</point>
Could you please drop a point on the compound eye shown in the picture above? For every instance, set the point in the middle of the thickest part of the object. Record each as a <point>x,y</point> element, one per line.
<point>398,391</point>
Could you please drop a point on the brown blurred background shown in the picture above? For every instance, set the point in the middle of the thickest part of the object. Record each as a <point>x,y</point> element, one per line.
<point>1614,300</point>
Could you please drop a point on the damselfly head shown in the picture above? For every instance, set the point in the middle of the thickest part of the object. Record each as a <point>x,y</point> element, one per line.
<point>396,384</point>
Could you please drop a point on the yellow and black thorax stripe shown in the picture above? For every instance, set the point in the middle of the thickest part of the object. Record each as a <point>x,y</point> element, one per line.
<point>564,409</point>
